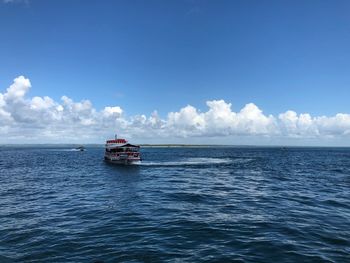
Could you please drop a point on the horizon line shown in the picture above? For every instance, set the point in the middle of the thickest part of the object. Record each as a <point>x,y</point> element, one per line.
<point>178,145</point>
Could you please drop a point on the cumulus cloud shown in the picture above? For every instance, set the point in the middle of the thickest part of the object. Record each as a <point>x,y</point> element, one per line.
<point>220,120</point>
<point>112,111</point>
<point>42,119</point>
<point>17,90</point>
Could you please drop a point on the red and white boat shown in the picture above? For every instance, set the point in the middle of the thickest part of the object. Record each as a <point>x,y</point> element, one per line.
<point>119,151</point>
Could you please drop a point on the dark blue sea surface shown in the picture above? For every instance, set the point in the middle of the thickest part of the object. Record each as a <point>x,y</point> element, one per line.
<point>225,204</point>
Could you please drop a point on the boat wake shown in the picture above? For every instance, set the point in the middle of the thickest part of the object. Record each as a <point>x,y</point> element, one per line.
<point>62,150</point>
<point>194,161</point>
<point>71,150</point>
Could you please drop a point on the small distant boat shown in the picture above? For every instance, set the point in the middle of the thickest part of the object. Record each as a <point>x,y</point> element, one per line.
<point>119,151</point>
<point>80,148</point>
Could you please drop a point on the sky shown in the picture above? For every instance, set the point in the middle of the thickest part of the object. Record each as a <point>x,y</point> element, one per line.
<point>175,71</point>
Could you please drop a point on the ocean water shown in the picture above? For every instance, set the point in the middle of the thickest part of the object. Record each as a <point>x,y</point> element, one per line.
<point>225,204</point>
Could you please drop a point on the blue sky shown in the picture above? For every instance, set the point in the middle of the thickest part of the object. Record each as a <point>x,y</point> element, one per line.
<point>164,55</point>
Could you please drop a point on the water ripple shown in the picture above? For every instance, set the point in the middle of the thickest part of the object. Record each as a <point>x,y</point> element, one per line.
<point>179,205</point>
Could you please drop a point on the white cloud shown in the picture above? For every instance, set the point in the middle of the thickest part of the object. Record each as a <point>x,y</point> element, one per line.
<point>41,119</point>
<point>298,126</point>
<point>18,89</point>
<point>220,120</point>
<point>112,111</point>
<point>39,103</point>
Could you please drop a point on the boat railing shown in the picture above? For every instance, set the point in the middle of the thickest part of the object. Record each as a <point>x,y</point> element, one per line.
<point>119,154</point>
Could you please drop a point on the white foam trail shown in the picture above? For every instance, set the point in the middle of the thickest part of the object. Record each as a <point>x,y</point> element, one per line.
<point>68,150</point>
<point>242,160</point>
<point>63,150</point>
<point>189,161</point>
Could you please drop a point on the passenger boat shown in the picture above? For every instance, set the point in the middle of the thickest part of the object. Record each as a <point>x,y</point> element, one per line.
<point>119,151</point>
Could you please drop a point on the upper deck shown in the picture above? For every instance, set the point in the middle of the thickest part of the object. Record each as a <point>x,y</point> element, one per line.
<point>118,141</point>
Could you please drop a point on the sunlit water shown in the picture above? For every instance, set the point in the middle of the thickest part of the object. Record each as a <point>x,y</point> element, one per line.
<point>178,205</point>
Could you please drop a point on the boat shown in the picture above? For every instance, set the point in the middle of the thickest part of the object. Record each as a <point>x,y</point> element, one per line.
<point>120,151</point>
<point>80,148</point>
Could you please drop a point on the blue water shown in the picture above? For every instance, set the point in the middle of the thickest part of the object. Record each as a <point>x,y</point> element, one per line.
<point>180,205</point>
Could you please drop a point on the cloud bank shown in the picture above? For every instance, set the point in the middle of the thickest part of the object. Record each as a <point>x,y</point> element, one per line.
<point>41,119</point>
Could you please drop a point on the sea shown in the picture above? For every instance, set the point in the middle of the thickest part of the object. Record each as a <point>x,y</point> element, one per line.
<point>180,204</point>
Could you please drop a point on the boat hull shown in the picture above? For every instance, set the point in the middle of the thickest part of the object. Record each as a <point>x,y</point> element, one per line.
<point>123,162</point>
